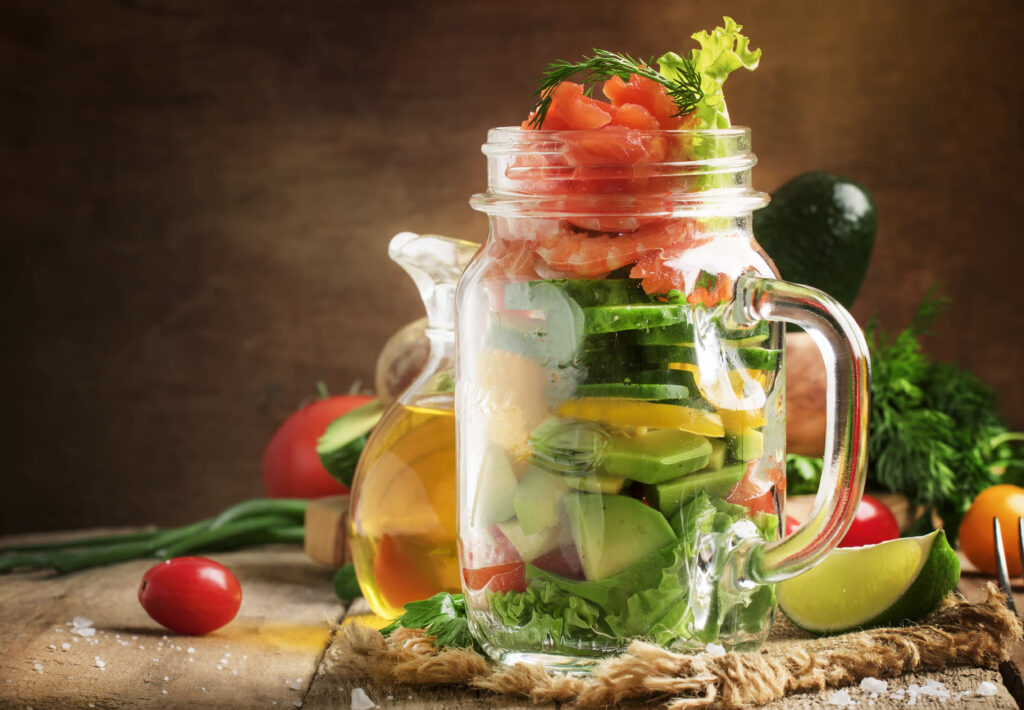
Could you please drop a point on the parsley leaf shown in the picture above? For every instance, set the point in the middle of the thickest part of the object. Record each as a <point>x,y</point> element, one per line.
<point>443,616</point>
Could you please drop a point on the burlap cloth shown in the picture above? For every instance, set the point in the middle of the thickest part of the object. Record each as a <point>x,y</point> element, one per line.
<point>961,644</point>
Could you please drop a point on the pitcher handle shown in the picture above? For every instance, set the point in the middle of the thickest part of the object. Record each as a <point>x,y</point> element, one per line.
<point>845,352</point>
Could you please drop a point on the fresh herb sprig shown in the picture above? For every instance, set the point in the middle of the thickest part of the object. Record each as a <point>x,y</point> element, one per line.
<point>685,90</point>
<point>443,616</point>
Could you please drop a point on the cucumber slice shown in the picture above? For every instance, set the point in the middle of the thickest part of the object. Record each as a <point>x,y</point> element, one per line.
<point>612,319</point>
<point>683,333</point>
<point>632,390</point>
<point>751,358</point>
<point>586,292</point>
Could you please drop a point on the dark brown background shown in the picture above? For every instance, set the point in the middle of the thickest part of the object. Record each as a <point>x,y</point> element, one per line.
<point>196,196</point>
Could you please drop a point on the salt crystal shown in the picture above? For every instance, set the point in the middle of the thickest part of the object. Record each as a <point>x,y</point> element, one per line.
<point>841,698</point>
<point>156,660</point>
<point>167,677</point>
<point>986,688</point>
<point>361,701</point>
<point>85,631</point>
<point>65,646</point>
<point>38,667</point>
<point>100,663</point>
<point>227,655</point>
<point>164,691</point>
<point>874,685</point>
<point>220,668</point>
<point>191,650</point>
<point>80,622</point>
<point>295,685</point>
<point>52,646</point>
<point>191,660</point>
<point>714,649</point>
<point>297,703</point>
<point>234,672</point>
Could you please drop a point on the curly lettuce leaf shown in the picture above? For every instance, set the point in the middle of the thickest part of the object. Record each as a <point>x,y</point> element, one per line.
<point>723,51</point>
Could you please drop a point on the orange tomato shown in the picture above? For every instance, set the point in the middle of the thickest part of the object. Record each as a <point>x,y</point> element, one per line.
<point>1005,502</point>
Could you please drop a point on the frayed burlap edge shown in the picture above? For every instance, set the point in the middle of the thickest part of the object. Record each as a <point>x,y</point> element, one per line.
<point>958,633</point>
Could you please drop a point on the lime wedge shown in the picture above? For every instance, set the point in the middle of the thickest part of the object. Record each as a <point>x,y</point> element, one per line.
<point>874,585</point>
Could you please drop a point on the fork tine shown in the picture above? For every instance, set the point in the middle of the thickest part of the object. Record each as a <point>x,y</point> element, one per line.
<point>1020,541</point>
<point>1001,572</point>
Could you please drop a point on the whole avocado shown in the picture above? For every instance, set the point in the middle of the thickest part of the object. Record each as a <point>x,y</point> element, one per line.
<point>819,229</point>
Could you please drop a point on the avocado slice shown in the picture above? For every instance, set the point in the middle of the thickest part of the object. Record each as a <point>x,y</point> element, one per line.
<point>657,455</point>
<point>613,532</point>
<point>596,483</point>
<point>538,499</point>
<point>819,229</point>
<point>670,496</point>
<point>495,489</point>
<point>745,446</point>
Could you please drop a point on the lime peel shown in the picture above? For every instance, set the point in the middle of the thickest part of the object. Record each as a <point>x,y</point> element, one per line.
<point>875,585</point>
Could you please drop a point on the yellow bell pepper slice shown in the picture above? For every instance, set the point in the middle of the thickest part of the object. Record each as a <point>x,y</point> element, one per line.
<point>736,421</point>
<point>621,412</point>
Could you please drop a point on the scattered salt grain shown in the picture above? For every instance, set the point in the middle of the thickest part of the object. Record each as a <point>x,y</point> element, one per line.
<point>220,667</point>
<point>84,631</point>
<point>80,622</point>
<point>874,685</point>
<point>714,649</point>
<point>234,672</point>
<point>296,685</point>
<point>840,698</point>
<point>38,667</point>
<point>100,663</point>
<point>986,688</point>
<point>361,701</point>
<point>227,655</point>
<point>297,703</point>
<point>164,691</point>
<point>166,677</point>
<point>191,650</point>
<point>65,646</point>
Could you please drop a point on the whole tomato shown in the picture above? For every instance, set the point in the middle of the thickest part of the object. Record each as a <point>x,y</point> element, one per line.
<point>1005,502</point>
<point>190,595</point>
<point>291,467</point>
<point>873,523</point>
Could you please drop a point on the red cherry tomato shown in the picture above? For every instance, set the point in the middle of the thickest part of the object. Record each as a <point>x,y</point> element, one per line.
<point>291,467</point>
<point>873,523</point>
<point>190,595</point>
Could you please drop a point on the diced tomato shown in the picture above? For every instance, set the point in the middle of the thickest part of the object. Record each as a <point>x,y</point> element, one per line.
<point>510,576</point>
<point>755,491</point>
<point>399,573</point>
<point>563,561</point>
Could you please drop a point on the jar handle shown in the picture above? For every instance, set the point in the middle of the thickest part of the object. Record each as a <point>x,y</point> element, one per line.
<point>845,352</point>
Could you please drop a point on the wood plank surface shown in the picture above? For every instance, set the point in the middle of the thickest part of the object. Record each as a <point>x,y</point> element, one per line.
<point>265,658</point>
<point>276,646</point>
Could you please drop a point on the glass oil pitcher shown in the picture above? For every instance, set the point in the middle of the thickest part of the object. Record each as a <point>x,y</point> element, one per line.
<point>402,513</point>
<point>620,400</point>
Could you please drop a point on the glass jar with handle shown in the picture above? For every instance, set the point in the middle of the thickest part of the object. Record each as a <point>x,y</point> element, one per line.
<point>620,399</point>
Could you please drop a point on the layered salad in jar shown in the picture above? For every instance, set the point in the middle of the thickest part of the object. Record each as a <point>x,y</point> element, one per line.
<point>620,433</point>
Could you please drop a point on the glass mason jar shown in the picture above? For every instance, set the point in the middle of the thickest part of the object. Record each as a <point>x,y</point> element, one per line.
<point>620,407</point>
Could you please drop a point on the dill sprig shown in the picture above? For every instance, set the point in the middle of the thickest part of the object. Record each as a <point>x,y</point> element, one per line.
<point>685,91</point>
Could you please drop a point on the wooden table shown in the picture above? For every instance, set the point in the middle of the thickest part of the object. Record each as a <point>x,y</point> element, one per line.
<point>268,657</point>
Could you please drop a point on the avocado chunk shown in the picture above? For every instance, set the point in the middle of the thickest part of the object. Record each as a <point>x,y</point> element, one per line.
<point>538,499</point>
<point>613,532</point>
<point>596,483</point>
<point>657,455</point>
<point>495,489</point>
<point>716,461</point>
<point>819,229</point>
<point>530,547</point>
<point>670,496</point>
<point>747,445</point>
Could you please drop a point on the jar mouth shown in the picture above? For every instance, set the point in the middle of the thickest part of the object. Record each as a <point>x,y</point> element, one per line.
<point>619,171</point>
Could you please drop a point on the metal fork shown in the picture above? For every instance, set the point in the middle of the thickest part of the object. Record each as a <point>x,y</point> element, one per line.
<point>1001,572</point>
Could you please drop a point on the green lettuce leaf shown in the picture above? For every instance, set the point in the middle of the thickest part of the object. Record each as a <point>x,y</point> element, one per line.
<point>723,51</point>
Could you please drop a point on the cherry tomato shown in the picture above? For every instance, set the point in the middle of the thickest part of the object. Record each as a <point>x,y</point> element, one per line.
<point>873,523</point>
<point>190,595</point>
<point>291,467</point>
<point>791,525</point>
<point>1005,502</point>
<point>755,489</point>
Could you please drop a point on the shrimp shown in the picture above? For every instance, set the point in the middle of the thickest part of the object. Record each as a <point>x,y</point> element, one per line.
<point>580,254</point>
